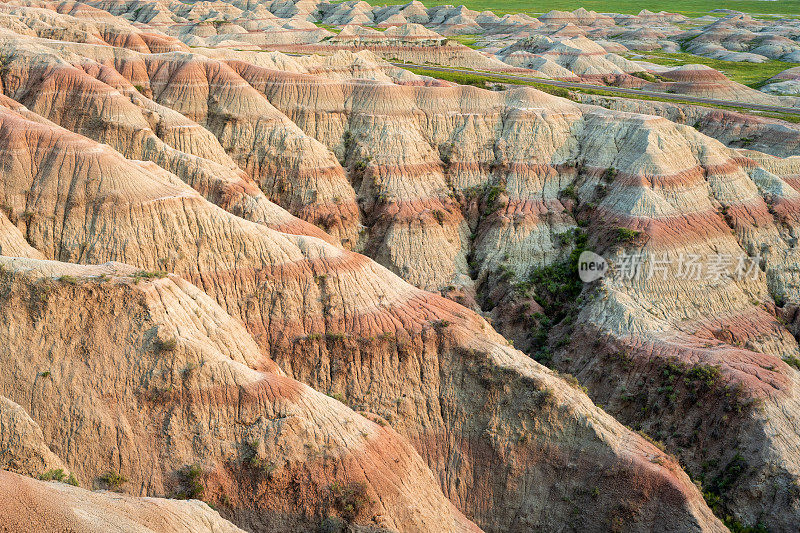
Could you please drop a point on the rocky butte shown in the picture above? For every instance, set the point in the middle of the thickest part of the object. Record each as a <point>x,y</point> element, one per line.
<point>257,276</point>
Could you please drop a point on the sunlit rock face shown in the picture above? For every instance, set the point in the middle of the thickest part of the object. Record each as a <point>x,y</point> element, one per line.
<point>275,277</point>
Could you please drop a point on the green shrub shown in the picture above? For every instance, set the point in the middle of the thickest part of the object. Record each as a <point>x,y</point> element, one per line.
<point>556,288</point>
<point>113,481</point>
<point>645,76</point>
<point>348,141</point>
<point>254,461</point>
<point>792,361</point>
<point>720,485</point>
<point>555,91</point>
<point>627,234</point>
<point>332,524</point>
<point>166,345</point>
<point>57,474</point>
<point>148,274</point>
<point>338,396</point>
<point>707,375</point>
<point>492,194</point>
<point>191,478</point>
<point>657,443</point>
<point>348,499</point>
<point>506,274</point>
<point>778,298</point>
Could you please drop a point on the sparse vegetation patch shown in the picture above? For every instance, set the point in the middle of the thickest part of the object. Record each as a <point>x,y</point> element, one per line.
<point>113,481</point>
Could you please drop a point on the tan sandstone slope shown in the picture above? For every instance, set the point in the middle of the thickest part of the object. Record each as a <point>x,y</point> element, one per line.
<point>27,505</point>
<point>152,381</point>
<point>120,144</point>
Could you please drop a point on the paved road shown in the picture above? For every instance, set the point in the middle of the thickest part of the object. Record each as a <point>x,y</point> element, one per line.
<point>634,92</point>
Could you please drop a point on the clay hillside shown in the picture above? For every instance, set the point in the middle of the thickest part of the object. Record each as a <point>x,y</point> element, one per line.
<point>255,275</point>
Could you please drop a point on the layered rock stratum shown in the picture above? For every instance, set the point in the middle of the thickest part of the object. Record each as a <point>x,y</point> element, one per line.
<point>268,282</point>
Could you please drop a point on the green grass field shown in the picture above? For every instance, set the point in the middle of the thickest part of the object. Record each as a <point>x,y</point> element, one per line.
<point>328,27</point>
<point>467,40</point>
<point>750,74</point>
<point>485,81</point>
<point>689,7</point>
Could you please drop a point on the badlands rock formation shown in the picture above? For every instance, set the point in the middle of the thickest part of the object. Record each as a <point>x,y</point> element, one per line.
<point>769,135</point>
<point>187,307</point>
<point>740,37</point>
<point>706,82</point>
<point>409,42</point>
<point>579,55</point>
<point>195,408</point>
<point>236,426</point>
<point>786,82</point>
<point>287,270</point>
<point>30,505</point>
<point>567,45</point>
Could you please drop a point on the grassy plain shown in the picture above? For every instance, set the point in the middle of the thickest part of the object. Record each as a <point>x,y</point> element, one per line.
<point>467,40</point>
<point>689,7</point>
